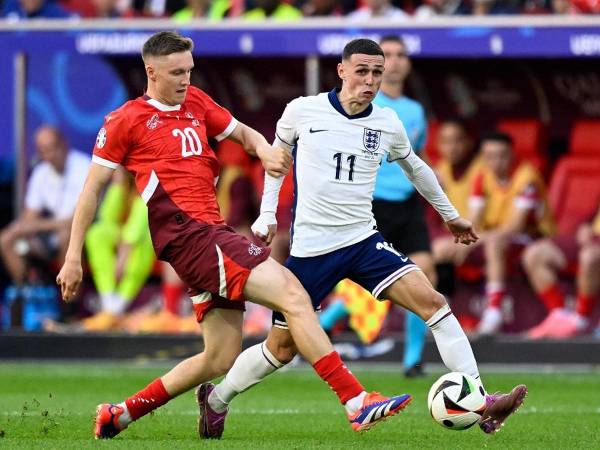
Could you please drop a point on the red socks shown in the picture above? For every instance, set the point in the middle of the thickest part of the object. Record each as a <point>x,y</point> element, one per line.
<point>585,305</point>
<point>171,294</point>
<point>495,297</point>
<point>148,399</point>
<point>552,297</point>
<point>335,373</point>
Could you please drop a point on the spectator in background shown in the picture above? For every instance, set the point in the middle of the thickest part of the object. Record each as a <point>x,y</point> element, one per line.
<point>34,9</point>
<point>545,259</point>
<point>494,7</point>
<point>508,204</point>
<point>433,8</point>
<point>375,9</point>
<point>273,9</point>
<point>119,251</point>
<point>106,9</point>
<point>43,228</point>
<point>203,9</point>
<point>322,8</point>
<point>456,170</point>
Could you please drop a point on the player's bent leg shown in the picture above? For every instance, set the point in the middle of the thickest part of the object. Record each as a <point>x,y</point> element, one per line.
<point>222,344</point>
<point>272,285</point>
<point>222,334</point>
<point>414,290</point>
<point>252,366</point>
<point>276,287</point>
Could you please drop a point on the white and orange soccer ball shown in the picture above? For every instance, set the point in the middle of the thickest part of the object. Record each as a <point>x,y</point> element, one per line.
<point>456,401</point>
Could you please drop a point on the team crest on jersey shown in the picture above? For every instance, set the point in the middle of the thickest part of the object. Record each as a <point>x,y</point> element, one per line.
<point>153,122</point>
<point>254,250</point>
<point>371,140</point>
<point>195,122</point>
<point>101,138</point>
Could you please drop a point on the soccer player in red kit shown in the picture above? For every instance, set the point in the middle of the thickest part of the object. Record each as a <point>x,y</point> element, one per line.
<point>162,139</point>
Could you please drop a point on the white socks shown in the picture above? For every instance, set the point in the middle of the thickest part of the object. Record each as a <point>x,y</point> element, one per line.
<point>125,418</point>
<point>452,343</point>
<point>355,403</point>
<point>253,364</point>
<point>113,303</point>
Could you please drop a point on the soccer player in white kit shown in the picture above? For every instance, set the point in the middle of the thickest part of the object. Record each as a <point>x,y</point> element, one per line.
<point>338,140</point>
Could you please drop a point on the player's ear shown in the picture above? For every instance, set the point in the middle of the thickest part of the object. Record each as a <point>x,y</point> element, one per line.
<point>340,71</point>
<point>150,73</point>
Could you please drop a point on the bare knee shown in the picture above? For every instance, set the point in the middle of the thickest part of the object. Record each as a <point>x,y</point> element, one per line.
<point>533,255</point>
<point>283,349</point>
<point>430,304</point>
<point>221,361</point>
<point>589,257</point>
<point>297,302</point>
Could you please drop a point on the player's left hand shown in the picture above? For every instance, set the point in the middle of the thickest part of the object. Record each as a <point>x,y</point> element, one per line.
<point>463,231</point>
<point>264,227</point>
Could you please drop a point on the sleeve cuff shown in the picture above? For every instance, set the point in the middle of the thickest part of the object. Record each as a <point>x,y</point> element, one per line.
<point>104,162</point>
<point>227,130</point>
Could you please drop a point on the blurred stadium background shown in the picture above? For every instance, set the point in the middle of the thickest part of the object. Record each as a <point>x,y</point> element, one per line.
<point>525,67</point>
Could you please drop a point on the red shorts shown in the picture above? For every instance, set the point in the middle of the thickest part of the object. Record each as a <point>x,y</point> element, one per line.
<point>215,262</point>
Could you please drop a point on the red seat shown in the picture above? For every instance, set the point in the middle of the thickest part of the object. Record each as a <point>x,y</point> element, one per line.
<point>431,150</point>
<point>530,140</point>
<point>585,136</point>
<point>574,193</point>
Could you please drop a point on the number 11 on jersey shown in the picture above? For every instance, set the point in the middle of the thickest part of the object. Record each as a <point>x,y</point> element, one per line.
<point>338,169</point>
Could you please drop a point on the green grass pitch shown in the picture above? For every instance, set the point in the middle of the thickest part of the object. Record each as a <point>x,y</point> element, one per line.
<point>50,406</point>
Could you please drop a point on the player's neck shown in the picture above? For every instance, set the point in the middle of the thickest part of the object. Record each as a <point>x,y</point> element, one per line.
<point>350,104</point>
<point>155,96</point>
<point>392,90</point>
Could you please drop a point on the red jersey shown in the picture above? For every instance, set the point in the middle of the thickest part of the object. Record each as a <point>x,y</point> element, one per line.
<point>166,149</point>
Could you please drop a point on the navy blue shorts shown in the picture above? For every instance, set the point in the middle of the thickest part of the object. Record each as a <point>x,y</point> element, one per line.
<point>372,263</point>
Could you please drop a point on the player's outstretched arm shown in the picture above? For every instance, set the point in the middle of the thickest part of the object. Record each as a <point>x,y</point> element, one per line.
<point>425,181</point>
<point>276,161</point>
<point>69,277</point>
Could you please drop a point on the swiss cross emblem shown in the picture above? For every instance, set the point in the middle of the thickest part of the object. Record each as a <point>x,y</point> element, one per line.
<point>371,139</point>
<point>195,122</point>
<point>153,122</point>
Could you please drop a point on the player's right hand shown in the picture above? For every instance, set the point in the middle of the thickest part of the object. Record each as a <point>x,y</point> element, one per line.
<point>69,279</point>
<point>265,227</point>
<point>276,162</point>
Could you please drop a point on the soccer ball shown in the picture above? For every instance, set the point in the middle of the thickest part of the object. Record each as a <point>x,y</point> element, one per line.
<point>456,401</point>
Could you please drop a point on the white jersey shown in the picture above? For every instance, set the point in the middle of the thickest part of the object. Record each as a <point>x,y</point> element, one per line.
<point>336,159</point>
<point>57,193</point>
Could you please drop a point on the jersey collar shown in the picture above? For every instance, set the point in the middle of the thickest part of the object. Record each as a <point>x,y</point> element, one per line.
<point>161,106</point>
<point>335,102</point>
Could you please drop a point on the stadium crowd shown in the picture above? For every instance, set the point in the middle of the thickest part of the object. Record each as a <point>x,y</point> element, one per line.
<point>256,10</point>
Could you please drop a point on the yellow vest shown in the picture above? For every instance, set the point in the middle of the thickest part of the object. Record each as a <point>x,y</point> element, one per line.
<point>500,200</point>
<point>458,190</point>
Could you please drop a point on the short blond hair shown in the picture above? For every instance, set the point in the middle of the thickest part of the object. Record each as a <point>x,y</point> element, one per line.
<point>166,42</point>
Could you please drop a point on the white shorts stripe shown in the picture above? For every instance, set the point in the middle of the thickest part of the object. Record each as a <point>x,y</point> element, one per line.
<point>201,298</point>
<point>393,277</point>
<point>228,130</point>
<point>104,162</point>
<point>280,324</point>
<point>222,277</point>
<point>150,187</point>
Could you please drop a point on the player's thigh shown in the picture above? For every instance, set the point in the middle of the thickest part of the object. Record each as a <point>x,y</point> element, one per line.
<point>272,285</point>
<point>414,292</point>
<point>425,262</point>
